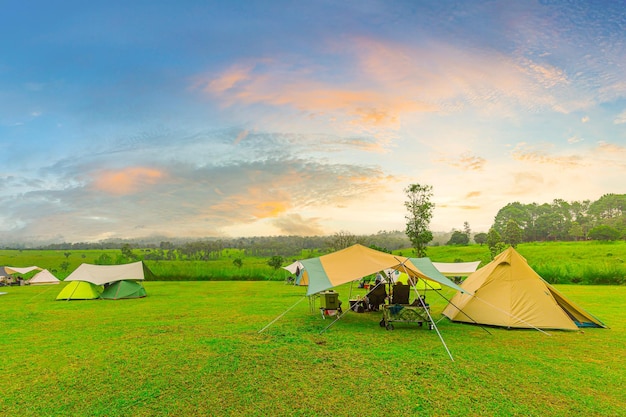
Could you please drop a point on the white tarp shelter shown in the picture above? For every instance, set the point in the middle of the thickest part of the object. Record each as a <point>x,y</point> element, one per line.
<point>105,274</point>
<point>456,269</point>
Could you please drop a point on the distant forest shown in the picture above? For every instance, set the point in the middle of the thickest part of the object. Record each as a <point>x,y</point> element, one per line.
<point>560,220</point>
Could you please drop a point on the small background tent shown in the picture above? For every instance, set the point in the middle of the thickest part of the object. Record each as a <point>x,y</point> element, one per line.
<point>123,289</point>
<point>44,277</point>
<point>6,273</point>
<point>509,293</point>
<point>296,269</point>
<point>80,290</point>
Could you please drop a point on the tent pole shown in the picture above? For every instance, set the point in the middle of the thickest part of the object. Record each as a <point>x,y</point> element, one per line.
<point>276,319</point>
<point>436,329</point>
<point>73,291</point>
<point>334,321</point>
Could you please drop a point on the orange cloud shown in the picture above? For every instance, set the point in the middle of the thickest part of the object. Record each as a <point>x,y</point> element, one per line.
<point>467,162</point>
<point>473,194</point>
<point>127,181</point>
<point>228,80</point>
<point>611,148</point>
<point>522,153</point>
<point>277,86</point>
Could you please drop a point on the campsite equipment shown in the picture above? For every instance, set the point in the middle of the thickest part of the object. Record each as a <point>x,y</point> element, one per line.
<point>329,303</point>
<point>509,293</point>
<point>405,314</point>
<point>80,290</point>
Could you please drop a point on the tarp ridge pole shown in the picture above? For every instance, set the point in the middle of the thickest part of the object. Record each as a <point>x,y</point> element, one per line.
<point>277,318</point>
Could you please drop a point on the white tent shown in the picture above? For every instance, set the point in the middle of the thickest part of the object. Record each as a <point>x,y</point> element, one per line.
<point>105,274</point>
<point>456,269</point>
<point>44,277</point>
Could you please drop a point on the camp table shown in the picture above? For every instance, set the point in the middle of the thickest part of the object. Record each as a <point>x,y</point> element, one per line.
<point>399,313</point>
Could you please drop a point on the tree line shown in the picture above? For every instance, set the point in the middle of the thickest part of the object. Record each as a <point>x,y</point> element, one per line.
<point>603,219</point>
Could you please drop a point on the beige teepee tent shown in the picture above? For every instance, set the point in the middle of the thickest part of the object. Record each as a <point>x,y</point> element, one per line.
<point>509,293</point>
<point>44,277</point>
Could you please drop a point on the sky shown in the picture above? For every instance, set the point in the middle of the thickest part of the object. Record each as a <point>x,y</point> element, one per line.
<point>229,119</point>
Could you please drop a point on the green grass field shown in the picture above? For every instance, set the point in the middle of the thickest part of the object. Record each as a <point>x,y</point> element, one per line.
<point>194,348</point>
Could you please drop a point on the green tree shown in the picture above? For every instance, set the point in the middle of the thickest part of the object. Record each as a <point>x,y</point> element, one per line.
<point>420,210</point>
<point>238,262</point>
<point>275,262</point>
<point>512,233</point>
<point>494,242</point>
<point>67,254</point>
<point>604,232</point>
<point>512,211</point>
<point>480,238</point>
<point>64,265</point>
<point>104,259</point>
<point>127,251</point>
<point>576,231</point>
<point>458,238</point>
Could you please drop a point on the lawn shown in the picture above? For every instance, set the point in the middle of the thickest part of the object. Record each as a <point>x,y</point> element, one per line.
<point>194,348</point>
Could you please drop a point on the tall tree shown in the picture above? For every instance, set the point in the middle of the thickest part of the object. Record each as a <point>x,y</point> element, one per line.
<point>420,212</point>
<point>467,230</point>
<point>512,234</point>
<point>494,242</point>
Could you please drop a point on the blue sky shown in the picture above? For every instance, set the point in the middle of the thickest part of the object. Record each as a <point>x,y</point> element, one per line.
<point>203,118</point>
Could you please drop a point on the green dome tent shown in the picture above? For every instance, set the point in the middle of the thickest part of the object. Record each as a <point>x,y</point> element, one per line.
<point>123,289</point>
<point>80,290</point>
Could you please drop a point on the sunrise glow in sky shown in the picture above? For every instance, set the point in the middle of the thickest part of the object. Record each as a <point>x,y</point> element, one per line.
<point>247,118</point>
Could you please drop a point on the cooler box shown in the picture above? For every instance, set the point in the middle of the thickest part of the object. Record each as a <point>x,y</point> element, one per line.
<point>329,300</point>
